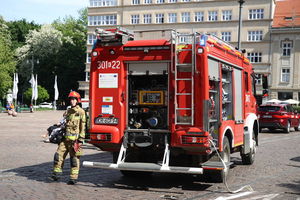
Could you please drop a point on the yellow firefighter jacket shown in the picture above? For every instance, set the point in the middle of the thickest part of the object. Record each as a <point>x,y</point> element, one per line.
<point>75,123</point>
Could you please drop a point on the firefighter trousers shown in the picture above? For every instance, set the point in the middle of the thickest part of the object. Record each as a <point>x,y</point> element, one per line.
<point>65,147</point>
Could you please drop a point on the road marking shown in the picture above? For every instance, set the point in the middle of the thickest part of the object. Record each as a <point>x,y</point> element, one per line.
<point>234,196</point>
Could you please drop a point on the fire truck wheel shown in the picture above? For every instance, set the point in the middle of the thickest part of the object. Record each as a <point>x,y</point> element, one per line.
<point>248,159</point>
<point>217,176</point>
<point>288,127</point>
<point>297,128</point>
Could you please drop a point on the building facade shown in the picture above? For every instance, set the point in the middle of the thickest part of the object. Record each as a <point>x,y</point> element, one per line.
<point>218,17</point>
<point>285,36</point>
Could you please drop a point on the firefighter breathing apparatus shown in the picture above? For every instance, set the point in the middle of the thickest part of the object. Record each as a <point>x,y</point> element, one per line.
<point>248,187</point>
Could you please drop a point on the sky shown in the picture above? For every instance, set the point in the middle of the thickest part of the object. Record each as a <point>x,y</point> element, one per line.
<point>40,11</point>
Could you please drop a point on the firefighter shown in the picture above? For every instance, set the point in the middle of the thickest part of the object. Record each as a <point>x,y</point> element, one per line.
<point>72,141</point>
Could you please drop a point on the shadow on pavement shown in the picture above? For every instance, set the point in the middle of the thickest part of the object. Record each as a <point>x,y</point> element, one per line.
<point>94,177</point>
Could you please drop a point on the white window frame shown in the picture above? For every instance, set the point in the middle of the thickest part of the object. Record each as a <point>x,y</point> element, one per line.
<point>159,18</point>
<point>226,36</point>
<point>91,38</point>
<point>256,35</point>
<point>172,18</point>
<point>199,16</point>
<point>135,19</point>
<point>102,3</point>
<point>258,79</point>
<point>226,15</point>
<point>256,14</point>
<point>255,57</point>
<point>88,58</point>
<point>135,2</point>
<point>147,1</point>
<point>285,75</point>
<point>185,17</point>
<point>160,1</point>
<point>87,76</point>
<point>185,0</point>
<point>286,47</point>
<point>212,15</point>
<point>172,1</point>
<point>99,20</point>
<point>147,18</point>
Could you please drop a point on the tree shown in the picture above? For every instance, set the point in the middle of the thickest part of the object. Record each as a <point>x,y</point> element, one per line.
<point>7,63</point>
<point>18,31</point>
<point>43,95</point>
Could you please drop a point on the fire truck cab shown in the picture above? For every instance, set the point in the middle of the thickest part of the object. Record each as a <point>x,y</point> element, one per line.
<point>177,105</point>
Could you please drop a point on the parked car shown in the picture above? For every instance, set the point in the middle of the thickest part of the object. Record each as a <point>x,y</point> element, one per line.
<point>278,116</point>
<point>45,105</point>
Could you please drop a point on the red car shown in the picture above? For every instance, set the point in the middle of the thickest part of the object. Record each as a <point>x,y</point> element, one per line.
<point>278,116</point>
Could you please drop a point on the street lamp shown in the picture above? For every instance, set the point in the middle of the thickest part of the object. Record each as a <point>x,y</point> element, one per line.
<point>241,2</point>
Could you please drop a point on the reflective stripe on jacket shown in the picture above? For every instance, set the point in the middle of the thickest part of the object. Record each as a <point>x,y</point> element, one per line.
<point>75,123</point>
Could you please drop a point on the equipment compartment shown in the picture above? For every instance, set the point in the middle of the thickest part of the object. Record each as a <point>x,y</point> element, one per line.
<point>147,101</point>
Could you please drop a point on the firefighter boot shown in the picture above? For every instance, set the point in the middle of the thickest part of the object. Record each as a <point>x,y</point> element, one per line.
<point>72,182</point>
<point>55,176</point>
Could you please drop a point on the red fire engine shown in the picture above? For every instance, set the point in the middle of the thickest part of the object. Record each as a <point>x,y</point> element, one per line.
<point>168,106</point>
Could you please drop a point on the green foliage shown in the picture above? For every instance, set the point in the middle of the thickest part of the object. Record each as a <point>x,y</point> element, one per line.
<point>18,31</point>
<point>7,63</point>
<point>43,95</point>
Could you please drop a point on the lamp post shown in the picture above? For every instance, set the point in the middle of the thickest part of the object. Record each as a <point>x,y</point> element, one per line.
<point>241,2</point>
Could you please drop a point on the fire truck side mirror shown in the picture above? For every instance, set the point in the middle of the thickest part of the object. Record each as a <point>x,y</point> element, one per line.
<point>265,81</point>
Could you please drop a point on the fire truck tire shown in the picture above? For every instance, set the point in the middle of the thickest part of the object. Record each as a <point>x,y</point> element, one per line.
<point>297,128</point>
<point>288,127</point>
<point>248,159</point>
<point>217,176</point>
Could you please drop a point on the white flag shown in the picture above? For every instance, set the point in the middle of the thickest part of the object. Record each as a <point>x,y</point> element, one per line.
<point>36,94</point>
<point>32,81</point>
<point>56,93</point>
<point>15,87</point>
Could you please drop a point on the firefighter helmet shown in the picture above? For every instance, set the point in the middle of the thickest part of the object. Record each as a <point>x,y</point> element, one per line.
<point>76,95</point>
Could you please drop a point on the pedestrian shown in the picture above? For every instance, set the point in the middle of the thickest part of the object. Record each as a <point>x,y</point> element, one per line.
<point>72,140</point>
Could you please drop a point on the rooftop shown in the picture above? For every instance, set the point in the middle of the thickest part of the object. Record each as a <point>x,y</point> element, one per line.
<point>287,14</point>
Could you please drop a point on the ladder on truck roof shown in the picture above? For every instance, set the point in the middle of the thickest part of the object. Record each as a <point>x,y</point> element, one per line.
<point>184,67</point>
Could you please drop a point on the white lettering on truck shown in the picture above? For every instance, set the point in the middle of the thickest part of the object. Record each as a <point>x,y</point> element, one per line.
<point>115,64</point>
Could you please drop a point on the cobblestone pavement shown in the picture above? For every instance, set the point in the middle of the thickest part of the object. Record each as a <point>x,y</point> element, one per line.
<point>26,162</point>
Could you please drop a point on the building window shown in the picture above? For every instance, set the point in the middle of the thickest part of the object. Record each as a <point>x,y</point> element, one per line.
<point>159,18</point>
<point>212,15</point>
<point>102,20</point>
<point>102,3</point>
<point>172,1</point>
<point>87,76</point>
<point>186,0</point>
<point>256,13</point>
<point>255,35</point>
<point>172,18</point>
<point>147,1</point>
<point>254,57</point>
<point>226,15</point>
<point>285,75</point>
<point>184,39</point>
<point>226,36</point>
<point>88,58</point>
<point>135,2</point>
<point>199,16</point>
<point>135,19</point>
<point>160,1</point>
<point>147,18</point>
<point>258,79</point>
<point>185,17</point>
<point>286,48</point>
<point>91,38</point>
<point>285,95</point>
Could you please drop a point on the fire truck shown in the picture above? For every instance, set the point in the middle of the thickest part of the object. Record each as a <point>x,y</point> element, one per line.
<point>180,104</point>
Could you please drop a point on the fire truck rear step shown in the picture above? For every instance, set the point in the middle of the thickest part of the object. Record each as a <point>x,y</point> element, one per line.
<point>147,167</point>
